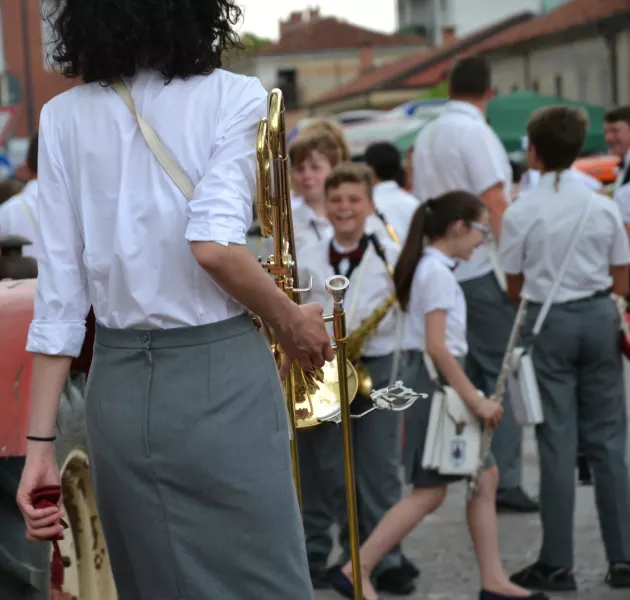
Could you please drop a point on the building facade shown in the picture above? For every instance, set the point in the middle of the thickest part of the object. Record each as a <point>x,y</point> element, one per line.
<point>460,16</point>
<point>28,81</point>
<point>316,54</point>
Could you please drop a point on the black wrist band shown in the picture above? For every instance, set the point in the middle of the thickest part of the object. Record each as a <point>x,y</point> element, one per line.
<point>34,438</point>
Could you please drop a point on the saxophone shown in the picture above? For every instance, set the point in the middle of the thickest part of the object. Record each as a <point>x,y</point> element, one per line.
<point>358,338</point>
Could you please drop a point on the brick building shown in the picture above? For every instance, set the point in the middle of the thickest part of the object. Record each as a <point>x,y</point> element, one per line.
<point>28,80</point>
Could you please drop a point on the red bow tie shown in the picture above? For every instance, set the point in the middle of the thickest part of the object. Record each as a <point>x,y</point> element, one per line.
<point>353,255</point>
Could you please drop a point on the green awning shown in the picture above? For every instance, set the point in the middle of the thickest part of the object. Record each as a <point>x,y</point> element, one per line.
<point>508,115</point>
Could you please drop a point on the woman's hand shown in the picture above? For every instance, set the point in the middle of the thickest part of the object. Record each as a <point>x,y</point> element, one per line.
<point>40,470</point>
<point>489,411</point>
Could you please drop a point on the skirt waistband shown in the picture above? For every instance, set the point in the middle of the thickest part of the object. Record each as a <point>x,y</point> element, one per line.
<point>174,338</point>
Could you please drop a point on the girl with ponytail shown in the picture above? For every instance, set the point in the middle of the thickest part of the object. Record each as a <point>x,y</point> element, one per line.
<point>443,231</point>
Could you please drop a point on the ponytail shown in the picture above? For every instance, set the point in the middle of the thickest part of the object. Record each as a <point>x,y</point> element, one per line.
<point>410,255</point>
<point>431,221</point>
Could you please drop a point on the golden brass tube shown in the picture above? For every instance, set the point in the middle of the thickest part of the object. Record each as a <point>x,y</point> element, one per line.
<point>337,287</point>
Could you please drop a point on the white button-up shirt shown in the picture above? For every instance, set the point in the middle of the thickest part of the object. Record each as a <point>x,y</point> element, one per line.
<point>370,285</point>
<point>531,178</point>
<point>17,217</point>
<point>115,229</point>
<point>459,150</point>
<point>537,231</point>
<point>434,287</point>
<point>397,206</point>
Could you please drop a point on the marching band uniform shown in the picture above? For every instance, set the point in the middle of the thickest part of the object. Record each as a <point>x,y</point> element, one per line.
<point>434,287</point>
<point>377,436</point>
<point>189,452</point>
<point>578,364</point>
<point>459,150</point>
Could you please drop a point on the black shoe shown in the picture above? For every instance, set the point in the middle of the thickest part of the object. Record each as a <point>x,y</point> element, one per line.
<point>411,569</point>
<point>343,585</point>
<point>515,500</point>
<point>321,577</point>
<point>395,581</point>
<point>543,577</point>
<point>584,471</point>
<point>486,595</point>
<point>618,575</point>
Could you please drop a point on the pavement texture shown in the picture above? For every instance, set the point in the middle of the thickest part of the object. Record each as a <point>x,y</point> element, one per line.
<point>441,548</point>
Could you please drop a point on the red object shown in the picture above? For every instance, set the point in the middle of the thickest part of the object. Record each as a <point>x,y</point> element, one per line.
<point>45,497</point>
<point>16,314</point>
<point>625,342</point>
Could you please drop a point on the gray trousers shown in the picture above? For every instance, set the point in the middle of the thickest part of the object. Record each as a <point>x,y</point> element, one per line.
<point>24,565</point>
<point>490,316</point>
<point>189,453</point>
<point>580,376</point>
<point>377,443</point>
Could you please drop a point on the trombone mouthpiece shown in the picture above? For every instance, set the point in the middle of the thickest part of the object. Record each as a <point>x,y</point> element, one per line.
<point>337,286</point>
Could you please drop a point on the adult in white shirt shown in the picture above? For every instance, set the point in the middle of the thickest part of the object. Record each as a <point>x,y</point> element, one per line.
<point>186,421</point>
<point>576,354</point>
<point>617,133</point>
<point>394,207</point>
<point>17,215</point>
<point>458,150</point>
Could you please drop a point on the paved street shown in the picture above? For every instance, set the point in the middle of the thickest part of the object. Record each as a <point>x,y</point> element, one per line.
<point>440,546</point>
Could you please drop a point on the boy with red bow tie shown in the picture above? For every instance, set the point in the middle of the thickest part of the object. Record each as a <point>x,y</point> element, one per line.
<point>365,260</point>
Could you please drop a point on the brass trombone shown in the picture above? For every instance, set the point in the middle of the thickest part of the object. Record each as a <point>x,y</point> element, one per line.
<point>305,392</point>
<point>323,396</point>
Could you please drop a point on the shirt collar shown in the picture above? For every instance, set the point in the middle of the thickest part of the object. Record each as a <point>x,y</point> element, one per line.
<point>458,106</point>
<point>310,214</point>
<point>386,186</point>
<point>342,249</point>
<point>451,263</point>
<point>548,180</point>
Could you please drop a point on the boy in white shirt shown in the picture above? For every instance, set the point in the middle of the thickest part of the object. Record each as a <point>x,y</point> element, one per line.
<point>365,260</point>
<point>313,155</point>
<point>394,206</point>
<point>576,355</point>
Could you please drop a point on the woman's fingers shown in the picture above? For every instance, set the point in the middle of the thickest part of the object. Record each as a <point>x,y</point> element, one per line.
<point>46,521</point>
<point>45,534</point>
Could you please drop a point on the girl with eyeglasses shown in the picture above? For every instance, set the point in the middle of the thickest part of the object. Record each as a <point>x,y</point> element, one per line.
<point>443,231</point>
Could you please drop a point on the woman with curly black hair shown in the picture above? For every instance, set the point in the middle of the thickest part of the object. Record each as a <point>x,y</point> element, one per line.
<point>147,178</point>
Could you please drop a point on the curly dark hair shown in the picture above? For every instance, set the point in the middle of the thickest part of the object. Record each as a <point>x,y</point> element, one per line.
<point>99,40</point>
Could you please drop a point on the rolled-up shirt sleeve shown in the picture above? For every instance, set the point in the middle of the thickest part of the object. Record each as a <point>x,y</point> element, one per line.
<point>61,297</point>
<point>221,209</point>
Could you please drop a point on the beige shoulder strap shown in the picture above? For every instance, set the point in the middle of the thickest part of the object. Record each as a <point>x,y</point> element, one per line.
<point>167,161</point>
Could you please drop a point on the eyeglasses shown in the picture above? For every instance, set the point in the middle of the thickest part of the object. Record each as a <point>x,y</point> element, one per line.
<point>485,231</point>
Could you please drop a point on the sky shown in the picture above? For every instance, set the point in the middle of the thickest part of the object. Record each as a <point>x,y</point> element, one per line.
<point>262,16</point>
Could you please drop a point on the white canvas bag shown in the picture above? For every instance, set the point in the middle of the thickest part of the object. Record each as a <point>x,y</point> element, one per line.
<point>521,378</point>
<point>453,439</point>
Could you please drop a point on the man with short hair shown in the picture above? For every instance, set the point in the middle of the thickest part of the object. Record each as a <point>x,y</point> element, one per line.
<point>617,134</point>
<point>459,150</point>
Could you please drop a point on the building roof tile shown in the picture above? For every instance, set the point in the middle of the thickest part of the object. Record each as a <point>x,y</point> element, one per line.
<point>328,33</point>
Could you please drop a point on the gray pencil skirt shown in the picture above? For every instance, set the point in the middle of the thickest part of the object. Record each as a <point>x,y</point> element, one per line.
<point>417,416</point>
<point>189,456</point>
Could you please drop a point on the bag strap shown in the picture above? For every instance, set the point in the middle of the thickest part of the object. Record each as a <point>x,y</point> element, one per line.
<point>563,268</point>
<point>164,157</point>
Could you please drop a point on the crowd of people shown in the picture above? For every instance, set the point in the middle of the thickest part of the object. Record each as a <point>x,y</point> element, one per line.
<point>185,417</point>
<point>465,249</point>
